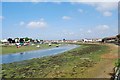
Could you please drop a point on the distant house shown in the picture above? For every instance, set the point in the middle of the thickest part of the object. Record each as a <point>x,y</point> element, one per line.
<point>98,40</point>
<point>92,40</point>
<point>4,41</point>
<point>9,40</point>
<point>110,39</point>
<point>54,42</point>
<point>69,41</point>
<point>87,40</point>
<point>16,40</point>
<point>75,41</point>
<point>118,38</point>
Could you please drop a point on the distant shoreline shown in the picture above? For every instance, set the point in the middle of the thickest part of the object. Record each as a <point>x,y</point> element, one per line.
<point>13,49</point>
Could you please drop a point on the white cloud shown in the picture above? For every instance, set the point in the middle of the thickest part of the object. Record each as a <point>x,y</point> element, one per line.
<point>94,0</point>
<point>66,18</point>
<point>102,28</point>
<point>22,23</point>
<point>1,17</point>
<point>89,31</point>
<point>38,1</point>
<point>105,8</point>
<point>69,34</point>
<point>57,2</point>
<point>41,19</point>
<point>61,0</point>
<point>37,24</point>
<point>35,1</point>
<point>80,10</point>
<point>81,29</point>
<point>107,13</point>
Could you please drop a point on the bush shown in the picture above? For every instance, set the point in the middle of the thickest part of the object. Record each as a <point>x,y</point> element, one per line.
<point>117,64</point>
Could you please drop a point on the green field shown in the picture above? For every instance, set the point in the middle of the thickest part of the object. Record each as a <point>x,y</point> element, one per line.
<point>13,49</point>
<point>70,64</point>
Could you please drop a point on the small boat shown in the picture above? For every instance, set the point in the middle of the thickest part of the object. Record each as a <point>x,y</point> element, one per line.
<point>57,46</point>
<point>38,46</point>
<point>21,53</point>
<point>49,44</point>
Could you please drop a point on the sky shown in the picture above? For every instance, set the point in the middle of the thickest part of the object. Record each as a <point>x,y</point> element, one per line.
<point>59,20</point>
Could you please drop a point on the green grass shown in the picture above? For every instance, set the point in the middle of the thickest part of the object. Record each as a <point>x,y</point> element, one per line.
<point>69,64</point>
<point>13,49</point>
<point>117,63</point>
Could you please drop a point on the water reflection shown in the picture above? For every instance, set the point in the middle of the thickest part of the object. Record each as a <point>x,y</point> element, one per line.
<point>9,58</point>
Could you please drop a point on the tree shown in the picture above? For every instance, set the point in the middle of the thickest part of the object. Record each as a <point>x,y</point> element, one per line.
<point>26,39</point>
<point>37,40</point>
<point>10,40</point>
<point>118,38</point>
<point>21,40</point>
<point>13,41</point>
<point>41,40</point>
<point>64,40</point>
<point>16,40</point>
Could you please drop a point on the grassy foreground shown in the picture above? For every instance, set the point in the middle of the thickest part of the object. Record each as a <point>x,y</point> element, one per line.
<point>13,49</point>
<point>71,64</point>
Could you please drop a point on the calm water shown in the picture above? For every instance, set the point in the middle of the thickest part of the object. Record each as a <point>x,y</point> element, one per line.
<point>9,58</point>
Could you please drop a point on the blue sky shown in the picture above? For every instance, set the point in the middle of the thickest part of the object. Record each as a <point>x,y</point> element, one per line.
<point>58,20</point>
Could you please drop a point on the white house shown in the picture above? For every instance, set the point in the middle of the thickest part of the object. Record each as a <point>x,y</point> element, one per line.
<point>98,40</point>
<point>87,40</point>
<point>16,40</point>
<point>4,41</point>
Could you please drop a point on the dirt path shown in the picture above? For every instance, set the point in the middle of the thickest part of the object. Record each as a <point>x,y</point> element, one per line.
<point>109,59</point>
<point>104,68</point>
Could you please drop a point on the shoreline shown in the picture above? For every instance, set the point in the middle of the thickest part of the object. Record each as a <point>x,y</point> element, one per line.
<point>14,50</point>
<point>28,55</point>
<point>68,64</point>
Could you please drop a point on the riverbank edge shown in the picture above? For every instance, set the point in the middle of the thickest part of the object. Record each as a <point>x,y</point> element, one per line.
<point>33,49</point>
<point>28,61</point>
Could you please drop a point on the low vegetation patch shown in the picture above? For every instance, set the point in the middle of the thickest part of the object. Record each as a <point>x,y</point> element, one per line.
<point>70,64</point>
